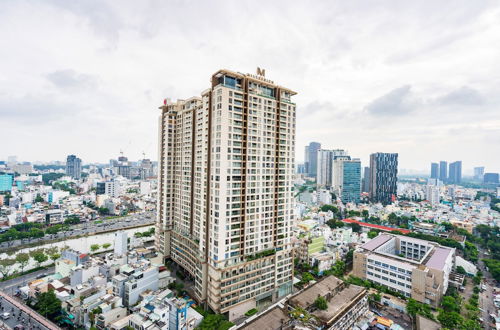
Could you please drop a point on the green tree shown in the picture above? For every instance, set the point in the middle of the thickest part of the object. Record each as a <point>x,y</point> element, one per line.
<point>214,321</point>
<point>333,223</point>
<point>339,268</point>
<point>6,266</point>
<point>450,304</point>
<point>22,259</point>
<point>321,303</point>
<point>449,320</point>
<point>372,234</point>
<point>365,214</point>
<point>94,247</point>
<point>349,256</point>
<point>470,324</point>
<point>353,213</point>
<point>40,258</point>
<point>48,305</point>
<point>414,307</point>
<point>106,245</point>
<point>55,256</point>
<point>460,270</point>
<point>327,207</point>
<point>307,277</point>
<point>376,297</point>
<point>103,210</point>
<point>39,199</point>
<point>72,220</point>
<point>355,227</point>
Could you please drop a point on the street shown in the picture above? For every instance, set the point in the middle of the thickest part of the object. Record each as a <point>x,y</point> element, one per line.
<point>10,286</point>
<point>20,314</point>
<point>145,218</point>
<point>486,296</point>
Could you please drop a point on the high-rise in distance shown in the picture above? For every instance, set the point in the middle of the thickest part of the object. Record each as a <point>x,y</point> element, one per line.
<point>347,179</point>
<point>311,158</point>
<point>434,171</point>
<point>325,159</point>
<point>478,173</point>
<point>225,204</point>
<point>383,177</point>
<point>455,172</point>
<point>74,167</point>
<point>443,171</point>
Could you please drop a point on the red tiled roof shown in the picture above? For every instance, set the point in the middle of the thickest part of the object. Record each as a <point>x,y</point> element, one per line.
<point>371,225</point>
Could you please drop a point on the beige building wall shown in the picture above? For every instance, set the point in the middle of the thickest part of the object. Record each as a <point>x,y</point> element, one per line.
<point>225,189</point>
<point>359,265</point>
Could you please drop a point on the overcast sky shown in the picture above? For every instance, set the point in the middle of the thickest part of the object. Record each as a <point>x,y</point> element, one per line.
<point>421,78</point>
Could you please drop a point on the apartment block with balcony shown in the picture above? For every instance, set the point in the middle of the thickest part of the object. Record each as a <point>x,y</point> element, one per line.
<point>416,268</point>
<point>225,201</point>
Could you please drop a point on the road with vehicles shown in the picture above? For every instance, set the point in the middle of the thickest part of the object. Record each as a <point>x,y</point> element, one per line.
<point>11,286</point>
<point>14,313</point>
<point>486,296</point>
<point>86,228</point>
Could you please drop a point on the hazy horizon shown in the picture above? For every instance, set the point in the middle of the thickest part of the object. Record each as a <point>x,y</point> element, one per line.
<point>417,78</point>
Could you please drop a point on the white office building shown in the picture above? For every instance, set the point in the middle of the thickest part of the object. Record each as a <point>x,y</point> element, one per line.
<point>416,268</point>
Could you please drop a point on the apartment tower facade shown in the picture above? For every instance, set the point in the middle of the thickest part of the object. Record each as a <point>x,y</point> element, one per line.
<point>226,166</point>
<point>325,169</point>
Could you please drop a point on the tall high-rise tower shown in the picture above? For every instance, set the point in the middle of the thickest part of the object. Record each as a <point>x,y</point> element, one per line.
<point>434,171</point>
<point>455,172</point>
<point>478,173</point>
<point>74,167</point>
<point>347,179</point>
<point>324,172</point>
<point>311,158</point>
<point>226,166</point>
<point>443,171</point>
<point>383,177</point>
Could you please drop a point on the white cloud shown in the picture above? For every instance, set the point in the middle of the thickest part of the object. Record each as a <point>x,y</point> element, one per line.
<point>103,67</point>
<point>397,102</point>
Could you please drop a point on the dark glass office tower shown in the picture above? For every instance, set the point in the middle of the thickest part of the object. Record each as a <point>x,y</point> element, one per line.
<point>383,177</point>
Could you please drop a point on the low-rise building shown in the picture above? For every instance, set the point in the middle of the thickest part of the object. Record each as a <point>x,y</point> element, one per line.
<point>135,279</point>
<point>346,303</point>
<point>415,268</point>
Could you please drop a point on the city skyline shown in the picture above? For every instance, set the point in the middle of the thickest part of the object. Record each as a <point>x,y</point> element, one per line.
<point>362,90</point>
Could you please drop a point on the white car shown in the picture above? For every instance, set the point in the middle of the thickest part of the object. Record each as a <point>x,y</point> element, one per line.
<point>5,316</point>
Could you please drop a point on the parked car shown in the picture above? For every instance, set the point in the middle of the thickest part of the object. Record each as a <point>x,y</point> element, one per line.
<point>5,316</point>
